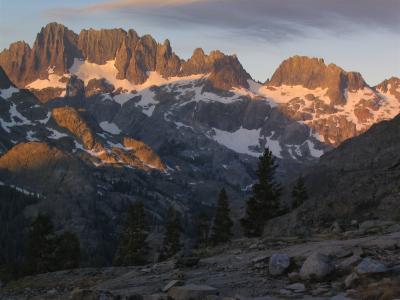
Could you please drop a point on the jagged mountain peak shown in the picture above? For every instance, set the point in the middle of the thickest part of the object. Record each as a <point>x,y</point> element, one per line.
<point>313,73</point>
<point>56,48</point>
<point>392,83</point>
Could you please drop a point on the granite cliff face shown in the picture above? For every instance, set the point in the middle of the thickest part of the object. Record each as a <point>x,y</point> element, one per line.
<point>54,49</point>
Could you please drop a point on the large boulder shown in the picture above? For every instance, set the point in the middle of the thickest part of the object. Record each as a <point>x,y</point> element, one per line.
<point>278,263</point>
<point>370,266</point>
<point>317,266</point>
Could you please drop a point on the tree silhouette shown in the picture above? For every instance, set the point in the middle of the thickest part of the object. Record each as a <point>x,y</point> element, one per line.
<point>133,247</point>
<point>264,203</point>
<point>221,229</point>
<point>299,193</point>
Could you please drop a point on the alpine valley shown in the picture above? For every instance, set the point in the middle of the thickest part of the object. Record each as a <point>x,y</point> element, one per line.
<point>94,121</point>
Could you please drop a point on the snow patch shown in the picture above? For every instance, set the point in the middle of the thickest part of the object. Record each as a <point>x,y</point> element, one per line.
<point>274,145</point>
<point>53,81</point>
<point>147,102</point>
<point>29,136</point>
<point>17,119</point>
<point>55,135</point>
<point>45,120</point>
<point>313,151</point>
<point>7,93</point>
<point>239,140</point>
<point>110,127</point>
<point>285,93</point>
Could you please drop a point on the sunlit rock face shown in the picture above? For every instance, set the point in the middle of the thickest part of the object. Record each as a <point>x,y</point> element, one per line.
<point>337,104</point>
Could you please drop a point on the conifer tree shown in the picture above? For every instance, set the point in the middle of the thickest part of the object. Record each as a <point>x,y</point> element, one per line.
<point>171,242</point>
<point>264,203</point>
<point>40,246</point>
<point>67,251</point>
<point>133,246</point>
<point>221,230</point>
<point>299,193</point>
<point>202,230</point>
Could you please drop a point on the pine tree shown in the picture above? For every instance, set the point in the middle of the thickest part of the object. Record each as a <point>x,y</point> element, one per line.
<point>221,230</point>
<point>171,242</point>
<point>299,193</point>
<point>133,246</point>
<point>67,251</point>
<point>40,246</point>
<point>202,230</point>
<point>264,203</point>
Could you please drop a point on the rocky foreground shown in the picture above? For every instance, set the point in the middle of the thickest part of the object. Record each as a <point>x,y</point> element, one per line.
<point>360,263</point>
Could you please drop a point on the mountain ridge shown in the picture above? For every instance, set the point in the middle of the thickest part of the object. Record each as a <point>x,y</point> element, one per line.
<point>334,103</point>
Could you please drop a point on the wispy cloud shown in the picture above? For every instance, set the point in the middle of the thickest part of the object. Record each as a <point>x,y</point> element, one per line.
<point>116,5</point>
<point>266,19</point>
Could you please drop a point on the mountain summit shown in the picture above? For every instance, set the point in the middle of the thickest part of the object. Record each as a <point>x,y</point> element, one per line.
<point>313,73</point>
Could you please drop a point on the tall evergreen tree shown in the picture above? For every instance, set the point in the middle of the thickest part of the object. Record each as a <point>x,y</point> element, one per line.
<point>171,242</point>
<point>133,246</point>
<point>40,246</point>
<point>202,230</point>
<point>221,230</point>
<point>46,252</point>
<point>299,193</point>
<point>264,203</point>
<point>67,252</point>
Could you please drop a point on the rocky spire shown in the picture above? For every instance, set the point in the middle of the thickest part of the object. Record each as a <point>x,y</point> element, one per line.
<point>55,47</point>
<point>225,71</point>
<point>15,61</point>
<point>99,46</point>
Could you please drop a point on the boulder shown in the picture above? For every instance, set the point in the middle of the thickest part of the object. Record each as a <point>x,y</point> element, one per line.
<point>370,266</point>
<point>278,263</point>
<point>317,266</point>
<point>351,280</point>
<point>192,292</point>
<point>336,228</point>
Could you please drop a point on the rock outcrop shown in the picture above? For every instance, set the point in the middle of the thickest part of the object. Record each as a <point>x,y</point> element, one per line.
<point>100,46</point>
<point>32,164</point>
<point>144,153</point>
<point>98,86</point>
<point>54,50</point>
<point>390,86</point>
<point>69,118</point>
<point>16,62</point>
<point>313,73</point>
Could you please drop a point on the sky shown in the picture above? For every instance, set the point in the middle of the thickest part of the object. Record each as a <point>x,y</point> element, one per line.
<point>357,35</point>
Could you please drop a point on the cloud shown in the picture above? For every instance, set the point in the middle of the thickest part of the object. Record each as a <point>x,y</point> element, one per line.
<point>266,19</point>
<point>110,6</point>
